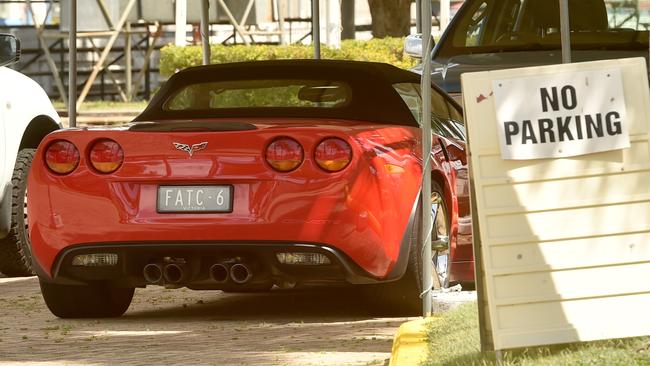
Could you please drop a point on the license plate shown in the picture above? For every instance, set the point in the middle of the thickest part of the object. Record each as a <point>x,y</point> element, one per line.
<point>195,198</point>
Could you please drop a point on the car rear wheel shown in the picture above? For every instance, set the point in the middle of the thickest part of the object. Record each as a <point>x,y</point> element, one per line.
<point>86,301</point>
<point>15,249</point>
<point>403,296</point>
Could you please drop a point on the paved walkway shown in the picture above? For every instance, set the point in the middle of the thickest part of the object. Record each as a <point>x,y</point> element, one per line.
<point>328,327</point>
<point>168,327</point>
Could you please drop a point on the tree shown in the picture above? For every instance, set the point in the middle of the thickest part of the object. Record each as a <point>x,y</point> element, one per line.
<point>390,18</point>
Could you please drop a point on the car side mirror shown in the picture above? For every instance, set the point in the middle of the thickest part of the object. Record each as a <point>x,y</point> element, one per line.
<point>9,49</point>
<point>413,45</point>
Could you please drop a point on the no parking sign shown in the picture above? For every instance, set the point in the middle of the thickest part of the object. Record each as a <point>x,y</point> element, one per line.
<point>560,170</point>
<point>560,115</point>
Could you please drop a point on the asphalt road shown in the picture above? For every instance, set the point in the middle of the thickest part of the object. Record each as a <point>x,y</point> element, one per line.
<point>323,327</point>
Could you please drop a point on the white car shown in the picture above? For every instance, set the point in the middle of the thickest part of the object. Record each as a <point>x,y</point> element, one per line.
<point>26,117</point>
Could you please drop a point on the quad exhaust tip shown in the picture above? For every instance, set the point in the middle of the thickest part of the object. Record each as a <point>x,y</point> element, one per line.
<point>219,273</point>
<point>240,273</point>
<point>152,273</point>
<point>174,273</point>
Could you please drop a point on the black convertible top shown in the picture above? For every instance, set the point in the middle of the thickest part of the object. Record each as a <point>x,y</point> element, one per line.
<point>373,96</point>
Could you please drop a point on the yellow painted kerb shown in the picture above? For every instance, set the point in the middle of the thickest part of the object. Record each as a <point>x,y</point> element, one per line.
<point>410,344</point>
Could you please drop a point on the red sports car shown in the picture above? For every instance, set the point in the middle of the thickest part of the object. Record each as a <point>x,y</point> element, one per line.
<point>243,176</point>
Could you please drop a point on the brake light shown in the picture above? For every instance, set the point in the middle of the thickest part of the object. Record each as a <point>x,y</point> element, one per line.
<point>62,157</point>
<point>106,156</point>
<point>333,154</point>
<point>284,154</point>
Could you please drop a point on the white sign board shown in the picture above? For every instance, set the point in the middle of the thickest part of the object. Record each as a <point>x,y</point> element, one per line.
<point>564,114</point>
<point>564,242</point>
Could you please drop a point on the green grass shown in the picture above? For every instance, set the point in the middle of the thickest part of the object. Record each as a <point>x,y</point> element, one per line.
<point>454,340</point>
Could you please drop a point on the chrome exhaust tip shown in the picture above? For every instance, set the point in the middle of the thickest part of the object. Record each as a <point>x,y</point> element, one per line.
<point>240,273</point>
<point>152,273</point>
<point>219,273</point>
<point>174,273</point>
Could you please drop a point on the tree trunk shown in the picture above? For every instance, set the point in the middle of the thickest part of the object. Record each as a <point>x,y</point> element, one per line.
<point>390,18</point>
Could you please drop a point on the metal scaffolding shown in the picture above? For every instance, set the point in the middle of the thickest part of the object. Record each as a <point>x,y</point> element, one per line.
<point>101,66</point>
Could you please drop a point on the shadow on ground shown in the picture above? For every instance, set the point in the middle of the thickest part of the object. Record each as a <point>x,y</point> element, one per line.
<point>298,327</point>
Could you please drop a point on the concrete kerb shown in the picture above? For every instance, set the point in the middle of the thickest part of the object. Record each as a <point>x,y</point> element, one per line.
<point>410,344</point>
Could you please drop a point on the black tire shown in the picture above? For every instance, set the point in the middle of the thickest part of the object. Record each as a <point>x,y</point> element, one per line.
<point>402,297</point>
<point>15,249</point>
<point>86,301</point>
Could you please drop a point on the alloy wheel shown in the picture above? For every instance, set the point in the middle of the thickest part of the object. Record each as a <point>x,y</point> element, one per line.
<point>439,242</point>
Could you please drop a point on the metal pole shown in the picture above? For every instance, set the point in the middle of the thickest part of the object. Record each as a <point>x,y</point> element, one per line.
<point>565,31</point>
<point>427,262</point>
<point>205,30</point>
<point>72,67</point>
<point>418,16</point>
<point>315,27</point>
<point>128,59</point>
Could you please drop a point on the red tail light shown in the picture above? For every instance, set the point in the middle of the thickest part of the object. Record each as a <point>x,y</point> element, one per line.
<point>62,157</point>
<point>284,154</point>
<point>106,156</point>
<point>333,154</point>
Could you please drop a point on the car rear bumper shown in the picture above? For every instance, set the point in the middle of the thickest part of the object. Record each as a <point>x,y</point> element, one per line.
<point>198,257</point>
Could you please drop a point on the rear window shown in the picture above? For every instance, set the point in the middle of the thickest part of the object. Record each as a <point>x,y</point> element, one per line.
<point>260,94</point>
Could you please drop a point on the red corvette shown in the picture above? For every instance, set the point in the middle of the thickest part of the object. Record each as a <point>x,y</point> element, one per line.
<point>244,176</point>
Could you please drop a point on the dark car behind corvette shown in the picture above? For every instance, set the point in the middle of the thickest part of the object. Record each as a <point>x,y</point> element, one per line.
<point>501,34</point>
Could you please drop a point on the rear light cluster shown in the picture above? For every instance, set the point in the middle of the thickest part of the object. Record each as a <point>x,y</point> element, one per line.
<point>285,154</point>
<point>105,156</point>
<point>62,157</point>
<point>333,154</point>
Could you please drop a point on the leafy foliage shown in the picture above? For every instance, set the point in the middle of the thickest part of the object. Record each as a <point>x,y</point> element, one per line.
<point>388,50</point>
